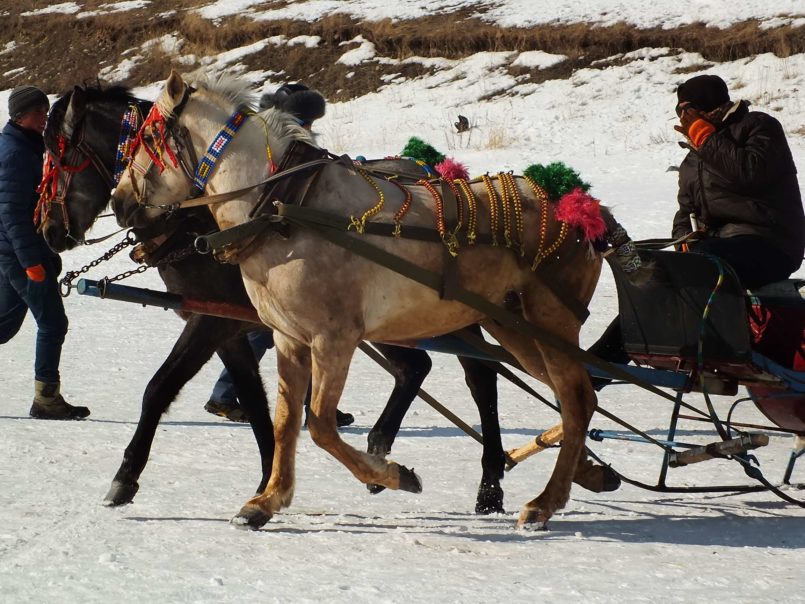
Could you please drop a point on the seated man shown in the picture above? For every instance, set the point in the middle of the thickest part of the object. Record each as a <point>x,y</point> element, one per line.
<point>738,194</point>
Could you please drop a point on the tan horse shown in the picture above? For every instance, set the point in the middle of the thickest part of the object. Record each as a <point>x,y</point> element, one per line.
<point>323,301</point>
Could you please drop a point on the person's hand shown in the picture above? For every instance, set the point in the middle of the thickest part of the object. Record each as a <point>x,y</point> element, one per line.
<point>694,126</point>
<point>36,273</point>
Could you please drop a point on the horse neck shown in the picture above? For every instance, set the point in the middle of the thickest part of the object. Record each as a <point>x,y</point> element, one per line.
<point>245,161</point>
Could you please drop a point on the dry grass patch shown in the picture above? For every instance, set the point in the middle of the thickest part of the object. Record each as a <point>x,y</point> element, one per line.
<point>59,50</point>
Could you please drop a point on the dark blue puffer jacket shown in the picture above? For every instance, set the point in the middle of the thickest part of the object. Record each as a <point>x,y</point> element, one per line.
<point>20,173</point>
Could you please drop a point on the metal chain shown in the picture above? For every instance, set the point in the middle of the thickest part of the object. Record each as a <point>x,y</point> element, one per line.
<point>65,285</point>
<point>66,282</point>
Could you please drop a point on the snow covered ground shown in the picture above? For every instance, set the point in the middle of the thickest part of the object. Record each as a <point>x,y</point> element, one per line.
<point>336,542</point>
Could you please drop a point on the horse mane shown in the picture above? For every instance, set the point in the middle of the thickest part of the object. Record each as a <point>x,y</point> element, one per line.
<point>236,92</point>
<point>93,94</point>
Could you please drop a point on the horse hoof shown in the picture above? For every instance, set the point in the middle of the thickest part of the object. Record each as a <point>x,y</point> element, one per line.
<point>250,517</point>
<point>120,493</point>
<point>531,519</point>
<point>374,489</point>
<point>409,481</point>
<point>598,479</point>
<point>490,500</point>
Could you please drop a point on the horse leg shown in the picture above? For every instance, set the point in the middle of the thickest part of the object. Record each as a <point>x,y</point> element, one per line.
<point>330,358</point>
<point>409,367</point>
<point>578,401</point>
<point>293,369</point>
<point>571,385</point>
<point>482,382</point>
<point>199,339</point>
<point>239,359</point>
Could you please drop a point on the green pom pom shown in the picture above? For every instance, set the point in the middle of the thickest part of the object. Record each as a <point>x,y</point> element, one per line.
<point>556,178</point>
<point>419,149</point>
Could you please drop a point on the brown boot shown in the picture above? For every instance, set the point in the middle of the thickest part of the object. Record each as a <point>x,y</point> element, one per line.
<point>49,404</point>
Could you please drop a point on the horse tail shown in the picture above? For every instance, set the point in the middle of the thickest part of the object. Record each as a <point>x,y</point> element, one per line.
<point>623,248</point>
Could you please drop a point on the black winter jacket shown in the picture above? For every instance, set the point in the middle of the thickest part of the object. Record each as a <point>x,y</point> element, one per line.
<point>20,173</point>
<point>742,181</point>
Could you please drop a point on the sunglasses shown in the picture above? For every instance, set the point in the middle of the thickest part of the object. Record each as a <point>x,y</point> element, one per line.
<point>683,106</point>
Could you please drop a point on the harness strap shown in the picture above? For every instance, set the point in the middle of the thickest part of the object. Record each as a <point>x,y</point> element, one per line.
<point>230,195</point>
<point>300,217</point>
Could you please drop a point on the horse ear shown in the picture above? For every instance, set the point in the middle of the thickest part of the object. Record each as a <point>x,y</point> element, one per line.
<point>75,111</point>
<point>175,87</point>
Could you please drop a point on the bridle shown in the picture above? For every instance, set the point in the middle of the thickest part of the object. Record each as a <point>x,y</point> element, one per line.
<point>155,137</point>
<point>76,158</point>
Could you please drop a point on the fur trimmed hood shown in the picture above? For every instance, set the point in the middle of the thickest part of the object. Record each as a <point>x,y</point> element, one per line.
<point>304,104</point>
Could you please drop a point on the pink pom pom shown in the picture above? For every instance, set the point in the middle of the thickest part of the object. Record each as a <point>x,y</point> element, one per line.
<point>451,169</point>
<point>582,211</point>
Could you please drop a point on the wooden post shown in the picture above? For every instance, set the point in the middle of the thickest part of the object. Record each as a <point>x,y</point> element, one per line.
<point>547,439</point>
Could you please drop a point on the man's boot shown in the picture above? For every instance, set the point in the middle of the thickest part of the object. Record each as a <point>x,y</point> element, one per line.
<point>49,404</point>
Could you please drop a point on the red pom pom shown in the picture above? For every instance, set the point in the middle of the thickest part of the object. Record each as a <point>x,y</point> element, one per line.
<point>451,169</point>
<point>582,211</point>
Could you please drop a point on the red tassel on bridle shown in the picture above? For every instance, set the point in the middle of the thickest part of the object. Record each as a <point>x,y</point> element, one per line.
<point>48,188</point>
<point>154,125</point>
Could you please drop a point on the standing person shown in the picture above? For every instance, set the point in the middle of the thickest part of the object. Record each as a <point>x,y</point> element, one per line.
<point>28,268</point>
<point>739,198</point>
<point>306,106</point>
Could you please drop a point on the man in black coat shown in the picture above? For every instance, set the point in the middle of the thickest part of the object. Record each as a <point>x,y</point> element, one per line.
<point>738,195</point>
<point>28,268</point>
<point>738,187</point>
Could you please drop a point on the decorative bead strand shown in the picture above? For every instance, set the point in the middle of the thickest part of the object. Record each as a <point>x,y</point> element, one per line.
<point>493,207</point>
<point>505,202</point>
<point>359,225</point>
<point>472,205</point>
<point>459,205</point>
<point>404,208</point>
<point>517,205</point>
<point>449,239</point>
<point>542,201</point>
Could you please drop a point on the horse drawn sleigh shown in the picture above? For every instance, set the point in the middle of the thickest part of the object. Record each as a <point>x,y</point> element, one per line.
<point>291,253</point>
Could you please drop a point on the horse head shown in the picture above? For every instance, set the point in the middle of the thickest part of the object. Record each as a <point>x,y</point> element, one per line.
<point>186,122</point>
<point>80,163</point>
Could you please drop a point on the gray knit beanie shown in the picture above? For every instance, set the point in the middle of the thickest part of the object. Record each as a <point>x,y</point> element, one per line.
<point>25,98</point>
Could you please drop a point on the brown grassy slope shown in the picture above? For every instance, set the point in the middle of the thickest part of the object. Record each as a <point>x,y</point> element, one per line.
<point>60,50</point>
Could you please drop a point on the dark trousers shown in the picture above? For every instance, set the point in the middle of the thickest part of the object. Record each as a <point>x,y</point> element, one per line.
<point>18,295</point>
<point>224,390</point>
<point>755,261</point>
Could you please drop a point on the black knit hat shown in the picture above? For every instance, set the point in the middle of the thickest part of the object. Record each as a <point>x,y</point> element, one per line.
<point>704,92</point>
<point>298,100</point>
<point>25,98</point>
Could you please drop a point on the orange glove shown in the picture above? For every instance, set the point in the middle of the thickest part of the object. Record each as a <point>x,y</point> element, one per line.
<point>36,273</point>
<point>694,126</point>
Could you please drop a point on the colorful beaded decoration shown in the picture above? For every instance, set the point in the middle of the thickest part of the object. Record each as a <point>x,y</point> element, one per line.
<point>129,126</point>
<point>360,224</point>
<point>216,149</point>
